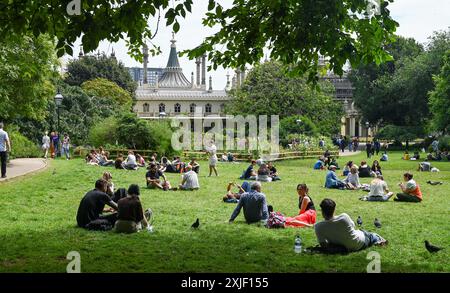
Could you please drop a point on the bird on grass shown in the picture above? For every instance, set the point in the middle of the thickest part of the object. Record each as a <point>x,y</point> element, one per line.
<point>377,223</point>
<point>54,172</point>
<point>431,248</point>
<point>359,221</point>
<point>434,182</point>
<point>196,224</point>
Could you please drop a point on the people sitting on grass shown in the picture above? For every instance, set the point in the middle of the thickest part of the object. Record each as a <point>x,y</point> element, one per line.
<point>320,164</point>
<point>176,166</point>
<point>352,179</point>
<point>230,157</point>
<point>307,211</point>
<point>263,174</point>
<point>379,190</point>
<point>334,162</point>
<point>416,156</point>
<point>118,163</point>
<point>91,158</point>
<point>130,216</point>
<point>406,156</point>
<point>339,231</point>
<point>364,170</point>
<point>254,204</point>
<point>130,163</point>
<point>331,180</point>
<point>273,172</point>
<point>347,168</point>
<point>376,169</point>
<point>110,185</point>
<point>233,197</point>
<point>92,205</point>
<point>190,180</point>
<point>224,157</point>
<point>194,165</point>
<point>424,166</point>
<point>410,190</point>
<point>153,178</point>
<point>384,157</point>
<point>250,173</point>
<point>140,161</point>
<point>102,159</point>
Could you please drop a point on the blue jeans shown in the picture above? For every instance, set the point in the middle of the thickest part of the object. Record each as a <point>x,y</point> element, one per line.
<point>65,150</point>
<point>371,239</point>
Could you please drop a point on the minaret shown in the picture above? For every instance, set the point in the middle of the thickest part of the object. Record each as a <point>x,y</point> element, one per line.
<point>198,62</point>
<point>242,75</point>
<point>145,52</point>
<point>113,54</point>
<point>210,84</point>
<point>204,71</point>
<point>192,80</point>
<point>81,54</point>
<point>227,87</point>
<point>233,82</point>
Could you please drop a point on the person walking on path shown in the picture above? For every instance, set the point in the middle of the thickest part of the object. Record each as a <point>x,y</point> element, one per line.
<point>5,146</point>
<point>212,152</point>
<point>45,144</point>
<point>66,146</point>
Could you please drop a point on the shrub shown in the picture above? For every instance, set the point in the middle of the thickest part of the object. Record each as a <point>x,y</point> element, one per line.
<point>444,142</point>
<point>104,132</point>
<point>21,146</point>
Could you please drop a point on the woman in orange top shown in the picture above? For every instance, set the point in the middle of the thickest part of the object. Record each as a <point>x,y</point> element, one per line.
<point>307,213</point>
<point>410,191</point>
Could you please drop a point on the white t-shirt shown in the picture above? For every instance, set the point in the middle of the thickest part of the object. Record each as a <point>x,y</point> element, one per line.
<point>190,180</point>
<point>3,138</point>
<point>340,230</point>
<point>411,184</point>
<point>377,187</point>
<point>131,160</point>
<point>46,141</point>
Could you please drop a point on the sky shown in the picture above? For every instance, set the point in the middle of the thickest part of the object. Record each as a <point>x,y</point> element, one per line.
<point>417,19</point>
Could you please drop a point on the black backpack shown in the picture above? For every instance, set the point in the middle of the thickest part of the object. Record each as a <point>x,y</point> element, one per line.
<point>99,225</point>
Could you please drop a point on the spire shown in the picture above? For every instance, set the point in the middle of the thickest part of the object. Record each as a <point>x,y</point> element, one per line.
<point>81,54</point>
<point>173,76</point>
<point>113,54</point>
<point>210,84</point>
<point>227,87</point>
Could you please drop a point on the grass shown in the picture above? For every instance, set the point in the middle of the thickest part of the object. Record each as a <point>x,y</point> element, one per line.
<point>37,216</point>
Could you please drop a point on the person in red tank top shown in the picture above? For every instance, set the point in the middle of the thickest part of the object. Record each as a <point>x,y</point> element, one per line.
<point>410,190</point>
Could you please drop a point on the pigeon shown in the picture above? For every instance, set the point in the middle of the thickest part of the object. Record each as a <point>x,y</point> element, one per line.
<point>377,223</point>
<point>359,221</point>
<point>54,172</point>
<point>196,224</point>
<point>434,182</point>
<point>431,248</point>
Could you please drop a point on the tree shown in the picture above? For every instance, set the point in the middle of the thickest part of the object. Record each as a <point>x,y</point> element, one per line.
<point>267,90</point>
<point>27,65</point>
<point>295,32</point>
<point>90,67</point>
<point>440,98</point>
<point>106,90</point>
<point>397,93</point>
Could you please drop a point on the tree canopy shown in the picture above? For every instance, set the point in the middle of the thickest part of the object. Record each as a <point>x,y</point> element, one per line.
<point>440,98</point>
<point>267,90</point>
<point>90,67</point>
<point>27,65</point>
<point>295,32</point>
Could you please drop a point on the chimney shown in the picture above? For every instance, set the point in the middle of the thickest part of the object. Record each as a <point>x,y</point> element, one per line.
<point>145,51</point>
<point>227,87</point>
<point>210,84</point>
<point>204,71</point>
<point>198,62</point>
<point>157,82</point>
<point>192,80</point>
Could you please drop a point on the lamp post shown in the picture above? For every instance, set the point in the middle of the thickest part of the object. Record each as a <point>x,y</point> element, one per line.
<point>367,131</point>
<point>58,102</point>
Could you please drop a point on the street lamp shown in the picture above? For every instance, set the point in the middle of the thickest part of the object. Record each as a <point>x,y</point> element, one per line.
<point>58,102</point>
<point>367,131</point>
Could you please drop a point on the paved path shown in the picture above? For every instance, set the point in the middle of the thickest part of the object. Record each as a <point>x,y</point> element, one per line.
<point>20,167</point>
<point>347,154</point>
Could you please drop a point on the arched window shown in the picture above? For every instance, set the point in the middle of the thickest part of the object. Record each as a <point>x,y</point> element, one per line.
<point>192,108</point>
<point>162,108</point>
<point>208,108</point>
<point>177,108</point>
<point>146,107</point>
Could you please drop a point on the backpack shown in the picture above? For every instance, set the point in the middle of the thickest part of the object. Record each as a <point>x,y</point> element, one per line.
<point>276,220</point>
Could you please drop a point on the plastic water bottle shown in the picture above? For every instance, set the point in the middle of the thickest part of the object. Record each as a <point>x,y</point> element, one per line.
<point>298,244</point>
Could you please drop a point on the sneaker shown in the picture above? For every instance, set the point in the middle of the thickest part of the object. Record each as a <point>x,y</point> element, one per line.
<point>4,176</point>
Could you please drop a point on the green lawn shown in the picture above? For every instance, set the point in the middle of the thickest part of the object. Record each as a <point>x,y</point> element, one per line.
<point>38,226</point>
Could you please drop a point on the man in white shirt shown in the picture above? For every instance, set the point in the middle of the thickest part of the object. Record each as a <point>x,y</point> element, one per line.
<point>5,146</point>
<point>130,164</point>
<point>379,190</point>
<point>190,180</point>
<point>340,231</point>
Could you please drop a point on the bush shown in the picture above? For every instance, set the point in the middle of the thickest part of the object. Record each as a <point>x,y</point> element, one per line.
<point>21,146</point>
<point>104,132</point>
<point>444,143</point>
<point>289,125</point>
